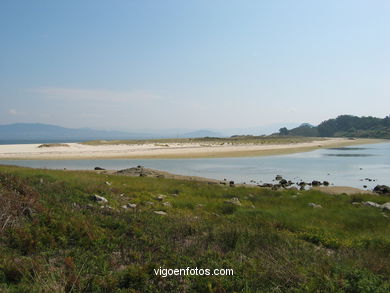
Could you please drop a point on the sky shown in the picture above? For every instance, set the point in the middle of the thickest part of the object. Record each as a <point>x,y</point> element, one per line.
<point>195,64</point>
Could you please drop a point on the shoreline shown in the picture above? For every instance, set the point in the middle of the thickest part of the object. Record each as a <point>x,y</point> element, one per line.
<point>78,151</point>
<point>141,171</point>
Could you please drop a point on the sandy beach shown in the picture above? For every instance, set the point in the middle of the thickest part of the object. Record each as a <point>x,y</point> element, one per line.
<point>168,150</point>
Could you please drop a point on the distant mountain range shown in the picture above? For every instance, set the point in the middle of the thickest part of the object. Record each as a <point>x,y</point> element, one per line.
<point>43,133</point>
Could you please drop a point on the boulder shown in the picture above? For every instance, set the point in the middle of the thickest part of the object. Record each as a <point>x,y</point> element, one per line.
<point>315,183</point>
<point>99,198</point>
<point>278,177</point>
<point>313,205</point>
<point>161,197</point>
<point>283,182</point>
<point>234,201</point>
<point>382,189</point>
<point>386,206</point>
<point>371,204</point>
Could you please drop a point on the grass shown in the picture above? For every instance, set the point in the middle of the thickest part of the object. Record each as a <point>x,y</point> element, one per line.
<point>57,239</point>
<point>53,145</point>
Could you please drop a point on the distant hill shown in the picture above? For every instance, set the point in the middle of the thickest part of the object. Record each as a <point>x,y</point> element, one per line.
<point>345,126</point>
<point>46,133</point>
<point>28,132</point>
<point>201,133</point>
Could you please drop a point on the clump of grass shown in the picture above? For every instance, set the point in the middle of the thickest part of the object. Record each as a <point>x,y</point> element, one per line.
<point>53,145</point>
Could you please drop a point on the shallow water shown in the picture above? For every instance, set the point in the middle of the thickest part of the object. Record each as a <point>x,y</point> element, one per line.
<point>349,166</point>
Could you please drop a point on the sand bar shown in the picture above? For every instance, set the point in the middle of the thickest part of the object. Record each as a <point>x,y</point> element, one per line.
<point>169,150</point>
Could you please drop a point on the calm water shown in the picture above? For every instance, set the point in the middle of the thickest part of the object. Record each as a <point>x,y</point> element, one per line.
<point>347,166</point>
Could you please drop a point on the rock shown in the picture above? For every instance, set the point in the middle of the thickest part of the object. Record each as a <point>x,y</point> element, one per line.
<point>234,201</point>
<point>371,204</point>
<point>382,189</point>
<point>167,204</point>
<point>313,205</point>
<point>150,203</point>
<point>131,205</point>
<point>162,213</point>
<point>283,182</point>
<point>99,198</point>
<point>108,183</point>
<point>355,203</point>
<point>315,183</point>
<point>99,168</point>
<point>276,186</point>
<point>302,183</point>
<point>278,177</point>
<point>386,206</point>
<point>231,183</point>
<point>364,186</point>
<point>269,185</point>
<point>161,197</point>
<point>325,183</point>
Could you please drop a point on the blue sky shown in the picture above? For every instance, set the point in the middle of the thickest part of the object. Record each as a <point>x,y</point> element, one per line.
<point>192,64</point>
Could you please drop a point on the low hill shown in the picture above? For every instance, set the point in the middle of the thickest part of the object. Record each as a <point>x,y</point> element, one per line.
<point>345,126</point>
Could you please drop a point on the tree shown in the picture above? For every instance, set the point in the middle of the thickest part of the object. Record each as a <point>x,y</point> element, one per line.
<point>283,131</point>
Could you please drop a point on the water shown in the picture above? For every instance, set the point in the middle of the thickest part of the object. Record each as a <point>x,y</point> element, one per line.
<point>348,166</point>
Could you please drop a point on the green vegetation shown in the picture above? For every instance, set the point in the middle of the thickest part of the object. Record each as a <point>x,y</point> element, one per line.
<point>345,126</point>
<point>54,238</point>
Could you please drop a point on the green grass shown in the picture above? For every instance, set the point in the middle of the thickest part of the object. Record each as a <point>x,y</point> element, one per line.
<point>59,240</point>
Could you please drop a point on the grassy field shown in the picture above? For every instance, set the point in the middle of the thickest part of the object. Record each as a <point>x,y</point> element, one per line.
<point>249,139</point>
<point>55,238</point>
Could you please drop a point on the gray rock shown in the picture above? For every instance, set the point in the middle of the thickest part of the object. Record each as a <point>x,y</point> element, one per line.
<point>386,206</point>
<point>167,204</point>
<point>234,201</point>
<point>382,189</point>
<point>131,205</point>
<point>162,213</point>
<point>99,198</point>
<point>313,205</point>
<point>108,183</point>
<point>161,197</point>
<point>371,204</point>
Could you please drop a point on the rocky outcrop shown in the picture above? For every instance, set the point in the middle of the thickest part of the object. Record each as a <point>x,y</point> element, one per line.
<point>382,189</point>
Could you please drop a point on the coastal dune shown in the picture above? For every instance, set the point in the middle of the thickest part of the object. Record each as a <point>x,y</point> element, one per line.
<point>166,150</point>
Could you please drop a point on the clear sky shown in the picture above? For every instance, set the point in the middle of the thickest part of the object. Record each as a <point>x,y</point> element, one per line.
<point>194,63</point>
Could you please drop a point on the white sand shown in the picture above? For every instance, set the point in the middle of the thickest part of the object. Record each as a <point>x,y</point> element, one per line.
<point>173,150</point>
